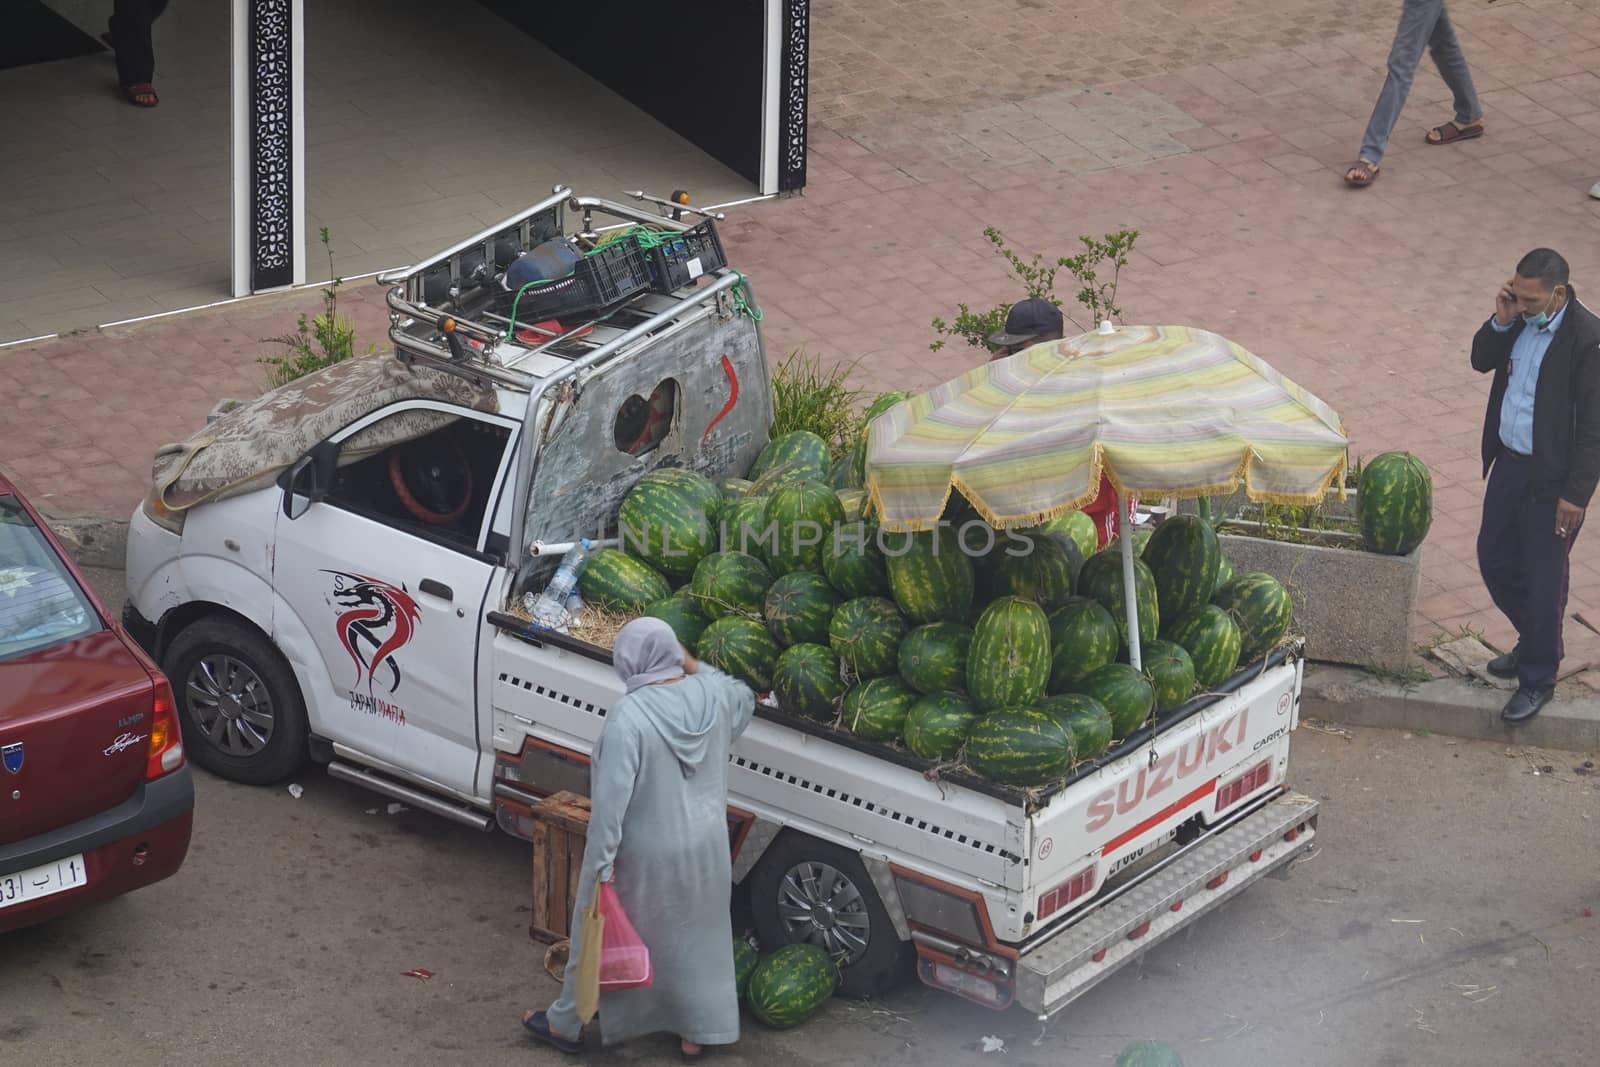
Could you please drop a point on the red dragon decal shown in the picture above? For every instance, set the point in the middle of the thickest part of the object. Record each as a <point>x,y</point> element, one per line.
<point>379,615</point>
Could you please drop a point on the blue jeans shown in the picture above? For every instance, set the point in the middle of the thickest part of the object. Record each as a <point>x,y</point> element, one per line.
<point>1423,23</point>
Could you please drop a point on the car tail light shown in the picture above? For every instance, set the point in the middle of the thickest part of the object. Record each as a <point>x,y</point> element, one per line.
<point>1065,893</point>
<point>166,741</point>
<point>1244,785</point>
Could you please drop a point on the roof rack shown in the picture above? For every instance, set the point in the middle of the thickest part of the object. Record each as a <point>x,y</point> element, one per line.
<point>452,312</point>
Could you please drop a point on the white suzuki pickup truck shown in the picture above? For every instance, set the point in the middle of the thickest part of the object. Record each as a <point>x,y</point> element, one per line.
<point>325,574</point>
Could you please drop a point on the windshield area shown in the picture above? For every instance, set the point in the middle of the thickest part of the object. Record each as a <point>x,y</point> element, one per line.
<point>40,602</point>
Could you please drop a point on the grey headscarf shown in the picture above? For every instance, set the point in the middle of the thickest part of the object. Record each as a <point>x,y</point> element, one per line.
<point>646,651</point>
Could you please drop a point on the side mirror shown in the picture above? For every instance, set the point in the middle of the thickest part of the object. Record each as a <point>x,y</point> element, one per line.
<point>308,480</point>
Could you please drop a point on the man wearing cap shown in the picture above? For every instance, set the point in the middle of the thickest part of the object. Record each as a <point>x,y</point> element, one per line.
<point>1029,322</point>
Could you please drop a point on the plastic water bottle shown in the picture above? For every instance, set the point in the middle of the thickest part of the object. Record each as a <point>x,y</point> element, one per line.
<point>550,608</point>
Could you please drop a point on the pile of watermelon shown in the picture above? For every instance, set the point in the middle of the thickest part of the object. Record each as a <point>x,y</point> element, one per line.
<point>1004,653</point>
<point>787,987</point>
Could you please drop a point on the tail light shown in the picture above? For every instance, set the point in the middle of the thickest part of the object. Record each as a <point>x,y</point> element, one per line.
<point>1244,785</point>
<point>166,741</point>
<point>1065,893</point>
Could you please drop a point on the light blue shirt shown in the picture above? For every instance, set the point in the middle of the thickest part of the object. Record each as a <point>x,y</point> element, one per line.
<point>1527,356</point>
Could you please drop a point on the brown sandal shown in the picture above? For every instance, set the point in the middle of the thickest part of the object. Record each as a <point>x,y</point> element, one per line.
<point>1450,133</point>
<point>1361,174</point>
<point>141,94</point>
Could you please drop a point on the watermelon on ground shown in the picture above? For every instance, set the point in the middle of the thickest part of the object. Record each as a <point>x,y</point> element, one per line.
<point>854,503</point>
<point>619,582</point>
<point>669,519</point>
<point>802,455</point>
<point>1086,719</point>
<point>932,579</point>
<point>803,516</point>
<point>1079,527</point>
<point>730,583</point>
<point>745,958</point>
<point>734,489</point>
<point>1183,555</point>
<point>1102,579</point>
<point>842,474</point>
<point>1394,503</point>
<point>1083,638</point>
<point>937,725</point>
<point>798,608</point>
<point>1211,638</point>
<point>876,709</point>
<point>1171,674</point>
<point>1008,662</point>
<point>853,563</point>
<point>865,633</point>
<point>806,681</point>
<point>1124,692</point>
<point>1044,573</point>
<point>744,527</point>
<point>1019,746</point>
<point>1224,575</point>
<point>791,985</point>
<point>881,403</point>
<point>680,612</point>
<point>1149,1054</point>
<point>933,658</point>
<point>742,648</point>
<point>1261,606</point>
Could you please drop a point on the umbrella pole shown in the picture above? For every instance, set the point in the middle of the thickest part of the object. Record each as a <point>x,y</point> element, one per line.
<point>1129,594</point>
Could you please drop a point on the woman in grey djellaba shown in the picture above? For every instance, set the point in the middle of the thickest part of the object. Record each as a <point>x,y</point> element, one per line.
<point>658,785</point>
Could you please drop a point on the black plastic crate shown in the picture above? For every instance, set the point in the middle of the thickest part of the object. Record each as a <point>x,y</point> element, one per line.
<point>670,261</point>
<point>606,276</point>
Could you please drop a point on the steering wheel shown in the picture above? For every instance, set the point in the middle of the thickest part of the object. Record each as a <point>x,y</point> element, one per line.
<point>433,483</point>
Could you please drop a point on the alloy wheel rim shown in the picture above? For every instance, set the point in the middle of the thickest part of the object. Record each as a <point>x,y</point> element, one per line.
<point>229,702</point>
<point>819,904</point>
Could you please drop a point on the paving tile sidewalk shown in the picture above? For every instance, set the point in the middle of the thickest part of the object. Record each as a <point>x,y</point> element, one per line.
<point>1367,298</point>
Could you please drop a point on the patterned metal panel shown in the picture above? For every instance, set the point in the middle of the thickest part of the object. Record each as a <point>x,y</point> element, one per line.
<point>272,147</point>
<point>794,91</point>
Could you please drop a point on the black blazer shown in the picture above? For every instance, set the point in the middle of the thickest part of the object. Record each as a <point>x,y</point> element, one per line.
<point>1566,401</point>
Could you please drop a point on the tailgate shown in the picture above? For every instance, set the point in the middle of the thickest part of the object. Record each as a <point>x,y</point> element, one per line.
<point>74,729</point>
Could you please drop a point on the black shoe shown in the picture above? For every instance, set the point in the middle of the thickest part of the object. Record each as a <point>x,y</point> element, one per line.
<point>1525,703</point>
<point>1504,666</point>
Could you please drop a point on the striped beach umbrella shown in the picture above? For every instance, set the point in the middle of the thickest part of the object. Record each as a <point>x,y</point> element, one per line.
<point>1162,411</point>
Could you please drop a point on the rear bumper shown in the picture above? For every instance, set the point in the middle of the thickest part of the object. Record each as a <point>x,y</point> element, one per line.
<point>1056,972</point>
<point>142,840</point>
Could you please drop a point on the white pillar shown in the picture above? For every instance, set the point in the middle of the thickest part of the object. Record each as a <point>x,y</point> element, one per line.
<point>771,94</point>
<point>268,144</point>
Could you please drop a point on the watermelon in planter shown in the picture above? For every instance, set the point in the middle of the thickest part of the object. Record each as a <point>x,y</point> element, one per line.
<point>930,577</point>
<point>730,583</point>
<point>791,985</point>
<point>742,648</point>
<point>803,515</point>
<point>798,608</point>
<point>1261,606</point>
<point>1171,673</point>
<point>1211,638</point>
<point>806,681</point>
<point>680,612</point>
<point>933,658</point>
<point>1083,638</point>
<point>745,958</point>
<point>1149,1054</point>
<point>853,563</point>
<point>619,582</point>
<point>798,456</point>
<point>1395,503</point>
<point>1102,580</point>
<point>1125,693</point>
<point>1183,555</point>
<point>669,519</point>
<point>1008,663</point>
<point>937,725</point>
<point>865,633</point>
<point>876,709</point>
<point>1019,746</point>
<point>1086,719</point>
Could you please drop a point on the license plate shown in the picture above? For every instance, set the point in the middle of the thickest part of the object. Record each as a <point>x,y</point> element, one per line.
<point>57,877</point>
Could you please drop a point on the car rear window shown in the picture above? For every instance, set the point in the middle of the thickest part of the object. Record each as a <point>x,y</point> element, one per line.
<point>40,602</point>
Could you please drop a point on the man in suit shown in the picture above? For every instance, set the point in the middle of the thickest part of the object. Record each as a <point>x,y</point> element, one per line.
<point>1541,454</point>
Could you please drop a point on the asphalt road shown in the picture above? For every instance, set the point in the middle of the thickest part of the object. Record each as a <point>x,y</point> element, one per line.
<point>1441,921</point>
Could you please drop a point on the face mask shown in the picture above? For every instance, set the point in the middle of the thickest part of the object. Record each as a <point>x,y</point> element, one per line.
<point>1540,319</point>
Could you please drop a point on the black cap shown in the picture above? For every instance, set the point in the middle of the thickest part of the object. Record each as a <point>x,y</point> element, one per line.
<point>1027,320</point>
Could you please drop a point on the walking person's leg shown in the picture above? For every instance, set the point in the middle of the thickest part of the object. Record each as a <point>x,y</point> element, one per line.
<point>136,58</point>
<point>1452,63</point>
<point>1417,18</point>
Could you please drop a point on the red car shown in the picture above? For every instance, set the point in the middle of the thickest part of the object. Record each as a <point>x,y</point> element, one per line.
<point>95,793</point>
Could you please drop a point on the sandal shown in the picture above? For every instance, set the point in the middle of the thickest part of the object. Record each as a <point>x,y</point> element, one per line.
<point>141,94</point>
<point>1361,174</point>
<point>1450,133</point>
<point>537,1024</point>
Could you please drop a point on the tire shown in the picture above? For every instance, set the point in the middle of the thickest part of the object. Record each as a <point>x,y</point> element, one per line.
<point>239,706</point>
<point>796,867</point>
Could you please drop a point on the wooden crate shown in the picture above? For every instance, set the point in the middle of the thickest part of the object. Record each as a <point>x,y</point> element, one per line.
<point>561,826</point>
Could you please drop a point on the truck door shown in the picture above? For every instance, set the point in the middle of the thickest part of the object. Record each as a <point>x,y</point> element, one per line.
<point>388,573</point>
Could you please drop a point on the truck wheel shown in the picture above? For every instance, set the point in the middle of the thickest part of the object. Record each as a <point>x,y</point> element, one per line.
<point>238,704</point>
<point>806,890</point>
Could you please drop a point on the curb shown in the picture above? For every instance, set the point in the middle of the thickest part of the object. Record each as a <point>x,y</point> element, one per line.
<point>1450,706</point>
<point>93,542</point>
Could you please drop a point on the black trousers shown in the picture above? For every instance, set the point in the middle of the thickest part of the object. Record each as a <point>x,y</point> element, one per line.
<point>1525,565</point>
<point>130,36</point>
